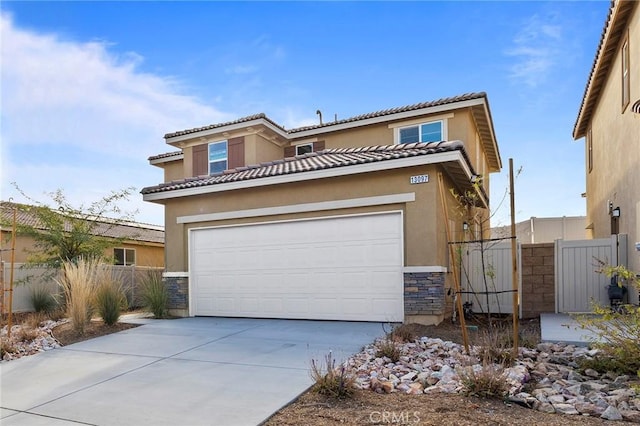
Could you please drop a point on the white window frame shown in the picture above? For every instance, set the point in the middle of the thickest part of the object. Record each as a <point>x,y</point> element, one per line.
<point>418,124</point>
<point>124,256</point>
<point>626,83</point>
<point>310,145</point>
<point>226,159</point>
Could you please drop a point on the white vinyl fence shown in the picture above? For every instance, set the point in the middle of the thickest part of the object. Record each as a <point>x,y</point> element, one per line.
<point>489,287</point>
<point>27,279</point>
<point>578,285</point>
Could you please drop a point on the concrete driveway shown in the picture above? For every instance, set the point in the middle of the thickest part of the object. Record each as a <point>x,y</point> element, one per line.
<point>191,371</point>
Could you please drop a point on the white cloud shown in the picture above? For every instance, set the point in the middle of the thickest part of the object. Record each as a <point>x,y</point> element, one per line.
<point>536,50</point>
<point>81,100</point>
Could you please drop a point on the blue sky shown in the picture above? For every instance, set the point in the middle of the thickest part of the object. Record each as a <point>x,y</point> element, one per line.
<point>90,88</point>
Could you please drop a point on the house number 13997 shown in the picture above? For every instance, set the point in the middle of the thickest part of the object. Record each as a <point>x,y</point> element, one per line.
<point>419,179</point>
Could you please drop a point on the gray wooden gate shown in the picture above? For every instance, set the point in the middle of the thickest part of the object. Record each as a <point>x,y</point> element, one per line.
<point>497,271</point>
<point>578,285</point>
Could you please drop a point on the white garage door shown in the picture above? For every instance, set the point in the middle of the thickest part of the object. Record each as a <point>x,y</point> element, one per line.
<point>339,268</point>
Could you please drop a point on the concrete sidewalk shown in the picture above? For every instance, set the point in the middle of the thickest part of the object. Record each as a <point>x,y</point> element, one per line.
<point>191,371</point>
<point>564,328</point>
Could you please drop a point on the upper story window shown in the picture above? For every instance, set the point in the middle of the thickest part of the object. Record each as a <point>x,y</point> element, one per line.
<point>424,132</point>
<point>626,84</point>
<point>217,157</point>
<point>304,148</point>
<point>124,256</point>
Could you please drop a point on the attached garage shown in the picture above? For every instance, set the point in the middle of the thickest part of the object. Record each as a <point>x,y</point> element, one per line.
<point>334,268</point>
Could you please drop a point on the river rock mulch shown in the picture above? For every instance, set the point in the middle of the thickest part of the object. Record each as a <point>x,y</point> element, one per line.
<point>545,378</point>
<point>26,340</point>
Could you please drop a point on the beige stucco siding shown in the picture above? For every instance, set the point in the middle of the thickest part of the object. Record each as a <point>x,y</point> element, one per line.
<point>173,170</point>
<point>615,175</point>
<point>422,232</point>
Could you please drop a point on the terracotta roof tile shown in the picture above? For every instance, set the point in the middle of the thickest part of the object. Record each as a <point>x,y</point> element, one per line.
<point>443,101</point>
<point>165,155</point>
<point>327,159</point>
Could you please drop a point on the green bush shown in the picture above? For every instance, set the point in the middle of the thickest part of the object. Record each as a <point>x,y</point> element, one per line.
<point>110,301</point>
<point>331,381</point>
<point>617,333</point>
<point>42,300</point>
<point>154,294</point>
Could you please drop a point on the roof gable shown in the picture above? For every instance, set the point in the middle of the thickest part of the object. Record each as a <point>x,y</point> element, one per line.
<point>612,33</point>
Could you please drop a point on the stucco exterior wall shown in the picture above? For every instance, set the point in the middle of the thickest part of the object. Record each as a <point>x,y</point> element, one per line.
<point>147,254</point>
<point>173,170</point>
<point>615,175</point>
<point>425,239</point>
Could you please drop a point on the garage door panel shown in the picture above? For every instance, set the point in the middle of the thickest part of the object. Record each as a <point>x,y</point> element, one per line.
<point>337,268</point>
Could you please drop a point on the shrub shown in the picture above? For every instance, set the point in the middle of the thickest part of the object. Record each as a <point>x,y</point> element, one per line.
<point>403,333</point>
<point>617,332</point>
<point>110,300</point>
<point>34,320</point>
<point>388,348</point>
<point>494,345</point>
<point>6,347</point>
<point>27,334</point>
<point>78,284</point>
<point>42,300</point>
<point>331,381</point>
<point>154,294</point>
<point>487,380</point>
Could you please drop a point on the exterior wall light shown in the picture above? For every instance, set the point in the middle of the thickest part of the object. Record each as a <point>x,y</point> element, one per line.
<point>465,226</point>
<point>615,212</point>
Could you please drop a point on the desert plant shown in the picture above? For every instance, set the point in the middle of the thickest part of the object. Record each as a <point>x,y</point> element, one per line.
<point>330,380</point>
<point>402,333</point>
<point>34,319</point>
<point>617,333</point>
<point>388,348</point>
<point>78,284</point>
<point>494,346</point>
<point>6,347</point>
<point>27,334</point>
<point>42,300</point>
<point>486,380</point>
<point>154,294</point>
<point>110,299</point>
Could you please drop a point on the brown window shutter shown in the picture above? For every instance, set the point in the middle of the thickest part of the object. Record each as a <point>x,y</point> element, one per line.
<point>318,146</point>
<point>201,160</point>
<point>289,151</point>
<point>235,152</point>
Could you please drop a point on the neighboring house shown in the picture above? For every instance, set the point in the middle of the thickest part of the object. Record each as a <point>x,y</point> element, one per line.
<point>141,244</point>
<point>545,229</point>
<point>609,120</point>
<point>343,220</point>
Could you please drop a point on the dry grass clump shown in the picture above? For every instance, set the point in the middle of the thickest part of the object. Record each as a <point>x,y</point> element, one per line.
<point>330,380</point>
<point>487,380</point>
<point>389,349</point>
<point>109,298</point>
<point>78,282</point>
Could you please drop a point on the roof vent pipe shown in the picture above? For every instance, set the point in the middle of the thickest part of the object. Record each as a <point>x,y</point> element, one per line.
<point>319,115</point>
<point>335,117</point>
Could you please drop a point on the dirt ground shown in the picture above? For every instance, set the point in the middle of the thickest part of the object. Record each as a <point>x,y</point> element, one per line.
<point>66,335</point>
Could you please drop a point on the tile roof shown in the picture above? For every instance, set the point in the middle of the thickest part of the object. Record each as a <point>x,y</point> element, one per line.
<point>381,113</point>
<point>165,155</point>
<point>439,102</point>
<point>129,230</point>
<point>329,158</point>
<point>217,125</point>
<point>613,31</point>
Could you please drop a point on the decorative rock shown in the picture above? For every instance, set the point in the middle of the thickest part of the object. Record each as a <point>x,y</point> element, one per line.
<point>611,413</point>
<point>591,373</point>
<point>565,409</point>
<point>545,407</point>
<point>631,415</point>
<point>386,386</point>
<point>556,399</point>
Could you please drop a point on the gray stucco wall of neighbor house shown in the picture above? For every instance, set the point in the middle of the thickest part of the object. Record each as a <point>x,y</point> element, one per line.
<point>424,293</point>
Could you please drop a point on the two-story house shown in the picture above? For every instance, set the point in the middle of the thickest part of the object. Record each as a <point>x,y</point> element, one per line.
<point>609,122</point>
<point>344,220</point>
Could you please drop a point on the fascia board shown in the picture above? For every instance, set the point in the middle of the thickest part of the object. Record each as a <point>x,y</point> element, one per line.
<point>176,157</point>
<point>313,175</point>
<point>389,117</point>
